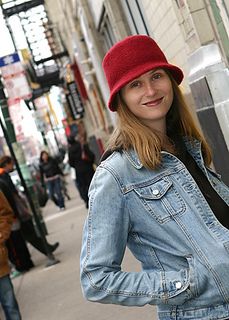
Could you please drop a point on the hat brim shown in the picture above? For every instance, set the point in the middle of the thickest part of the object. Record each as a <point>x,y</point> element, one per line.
<point>138,71</point>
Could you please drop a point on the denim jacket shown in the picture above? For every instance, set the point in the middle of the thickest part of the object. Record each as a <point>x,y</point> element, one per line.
<point>165,221</point>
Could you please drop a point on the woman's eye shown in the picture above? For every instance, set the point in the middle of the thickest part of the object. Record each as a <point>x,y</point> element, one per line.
<point>135,84</point>
<point>156,76</point>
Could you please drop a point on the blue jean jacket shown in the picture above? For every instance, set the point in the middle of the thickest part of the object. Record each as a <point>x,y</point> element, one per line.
<point>164,219</point>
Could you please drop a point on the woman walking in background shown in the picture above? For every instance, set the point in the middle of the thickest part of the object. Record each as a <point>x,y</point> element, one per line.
<point>50,175</point>
<point>155,192</point>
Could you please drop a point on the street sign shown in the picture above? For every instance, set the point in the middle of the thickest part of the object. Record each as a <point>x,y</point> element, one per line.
<point>17,87</point>
<point>9,59</point>
<point>15,80</point>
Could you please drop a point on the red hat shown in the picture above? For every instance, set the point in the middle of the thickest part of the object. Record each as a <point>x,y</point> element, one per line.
<point>130,58</point>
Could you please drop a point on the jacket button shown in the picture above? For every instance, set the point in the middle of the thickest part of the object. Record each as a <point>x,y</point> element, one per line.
<point>178,285</point>
<point>156,192</point>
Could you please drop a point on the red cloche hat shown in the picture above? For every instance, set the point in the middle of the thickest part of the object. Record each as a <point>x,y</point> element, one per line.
<point>130,58</point>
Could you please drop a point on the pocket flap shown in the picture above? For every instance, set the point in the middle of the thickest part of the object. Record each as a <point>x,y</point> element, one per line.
<point>155,190</point>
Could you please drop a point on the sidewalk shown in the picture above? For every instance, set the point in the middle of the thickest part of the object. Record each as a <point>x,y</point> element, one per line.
<point>54,293</point>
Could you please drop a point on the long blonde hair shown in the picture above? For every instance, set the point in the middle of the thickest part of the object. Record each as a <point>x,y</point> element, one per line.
<point>148,144</point>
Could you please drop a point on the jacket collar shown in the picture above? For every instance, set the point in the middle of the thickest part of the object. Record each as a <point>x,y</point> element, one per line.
<point>132,156</point>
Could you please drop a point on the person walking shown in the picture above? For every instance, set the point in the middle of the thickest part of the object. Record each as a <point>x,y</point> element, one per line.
<point>21,210</point>
<point>7,296</point>
<point>155,192</point>
<point>81,158</point>
<point>50,174</point>
<point>18,251</point>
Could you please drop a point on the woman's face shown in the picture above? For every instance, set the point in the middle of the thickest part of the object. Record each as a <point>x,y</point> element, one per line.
<point>45,156</point>
<point>149,97</point>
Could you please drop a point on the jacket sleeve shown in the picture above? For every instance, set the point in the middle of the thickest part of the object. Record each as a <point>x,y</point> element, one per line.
<point>6,218</point>
<point>104,242</point>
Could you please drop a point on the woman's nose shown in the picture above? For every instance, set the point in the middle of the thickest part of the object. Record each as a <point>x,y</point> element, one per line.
<point>149,89</point>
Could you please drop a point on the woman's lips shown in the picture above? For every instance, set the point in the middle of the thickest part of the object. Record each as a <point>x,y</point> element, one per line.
<point>153,103</point>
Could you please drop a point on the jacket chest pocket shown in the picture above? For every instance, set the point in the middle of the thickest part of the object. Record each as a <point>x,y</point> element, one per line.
<point>161,199</point>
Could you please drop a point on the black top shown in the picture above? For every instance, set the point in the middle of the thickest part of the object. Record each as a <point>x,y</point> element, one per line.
<point>50,168</point>
<point>81,158</point>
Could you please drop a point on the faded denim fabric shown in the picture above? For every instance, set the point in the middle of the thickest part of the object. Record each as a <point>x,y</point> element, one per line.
<point>167,224</point>
<point>8,299</point>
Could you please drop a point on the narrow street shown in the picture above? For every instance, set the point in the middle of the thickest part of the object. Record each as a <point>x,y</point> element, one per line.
<point>54,293</point>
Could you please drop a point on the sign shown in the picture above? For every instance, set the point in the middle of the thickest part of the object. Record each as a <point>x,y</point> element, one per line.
<point>41,114</point>
<point>17,117</point>
<point>39,117</point>
<point>74,101</point>
<point>12,69</point>
<point>15,80</point>
<point>11,58</point>
<point>17,87</point>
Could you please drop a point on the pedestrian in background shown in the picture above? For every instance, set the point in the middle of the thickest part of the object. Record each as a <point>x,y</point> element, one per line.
<point>21,210</point>
<point>18,251</point>
<point>81,158</point>
<point>155,192</point>
<point>51,176</point>
<point>7,295</point>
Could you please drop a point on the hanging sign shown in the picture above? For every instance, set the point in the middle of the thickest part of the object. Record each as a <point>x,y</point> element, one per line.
<point>17,87</point>
<point>74,100</point>
<point>14,77</point>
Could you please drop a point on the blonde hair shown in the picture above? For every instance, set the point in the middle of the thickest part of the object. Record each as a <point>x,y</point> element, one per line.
<point>148,144</point>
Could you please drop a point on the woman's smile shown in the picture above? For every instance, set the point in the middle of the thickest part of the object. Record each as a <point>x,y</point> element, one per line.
<point>153,103</point>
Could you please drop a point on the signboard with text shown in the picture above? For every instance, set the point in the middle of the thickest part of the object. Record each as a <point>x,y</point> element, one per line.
<point>14,77</point>
<point>74,100</point>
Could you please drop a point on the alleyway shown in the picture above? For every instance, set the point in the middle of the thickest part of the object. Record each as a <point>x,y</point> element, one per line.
<point>54,293</point>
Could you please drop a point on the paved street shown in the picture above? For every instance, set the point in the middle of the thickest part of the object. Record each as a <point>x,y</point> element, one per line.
<point>54,293</point>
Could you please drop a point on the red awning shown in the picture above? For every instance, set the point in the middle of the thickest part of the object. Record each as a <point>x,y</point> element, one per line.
<point>79,81</point>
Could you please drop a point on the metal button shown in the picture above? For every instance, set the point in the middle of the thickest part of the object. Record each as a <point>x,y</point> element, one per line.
<point>178,285</point>
<point>156,192</point>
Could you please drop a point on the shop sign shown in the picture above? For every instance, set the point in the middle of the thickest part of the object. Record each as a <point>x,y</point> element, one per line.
<point>17,87</point>
<point>15,80</point>
<point>74,100</point>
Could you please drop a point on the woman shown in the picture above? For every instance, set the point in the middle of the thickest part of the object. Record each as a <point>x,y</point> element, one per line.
<point>156,194</point>
<point>50,174</point>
